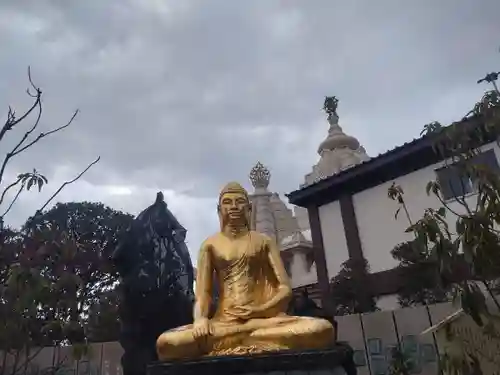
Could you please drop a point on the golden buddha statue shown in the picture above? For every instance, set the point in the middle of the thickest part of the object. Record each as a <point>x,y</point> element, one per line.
<point>254,292</point>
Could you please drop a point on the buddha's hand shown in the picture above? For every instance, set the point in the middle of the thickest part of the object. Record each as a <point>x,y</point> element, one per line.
<point>202,328</point>
<point>246,312</point>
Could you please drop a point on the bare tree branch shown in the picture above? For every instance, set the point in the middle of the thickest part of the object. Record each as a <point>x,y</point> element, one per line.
<point>13,201</point>
<point>67,183</point>
<point>18,149</point>
<point>35,87</point>
<point>4,193</point>
<point>43,135</point>
<point>28,133</point>
<point>11,119</point>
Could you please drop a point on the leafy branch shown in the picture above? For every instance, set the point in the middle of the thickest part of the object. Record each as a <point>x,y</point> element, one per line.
<point>25,181</point>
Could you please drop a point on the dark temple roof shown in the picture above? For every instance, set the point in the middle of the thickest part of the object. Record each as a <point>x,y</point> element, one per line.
<point>401,160</point>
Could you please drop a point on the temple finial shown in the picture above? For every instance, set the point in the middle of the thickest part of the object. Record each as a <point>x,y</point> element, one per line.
<point>330,105</point>
<point>260,176</point>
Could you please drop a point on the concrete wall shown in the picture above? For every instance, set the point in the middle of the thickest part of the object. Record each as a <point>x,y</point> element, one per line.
<point>371,336</point>
<point>379,231</point>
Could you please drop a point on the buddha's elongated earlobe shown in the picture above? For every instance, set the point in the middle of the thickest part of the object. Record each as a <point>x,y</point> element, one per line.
<point>250,217</point>
<point>222,222</point>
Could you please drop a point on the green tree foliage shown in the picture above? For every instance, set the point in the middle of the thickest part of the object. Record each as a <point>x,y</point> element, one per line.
<point>91,232</point>
<point>475,230</point>
<point>400,363</point>
<point>103,323</point>
<point>94,227</point>
<point>423,282</point>
<point>460,241</point>
<point>350,291</point>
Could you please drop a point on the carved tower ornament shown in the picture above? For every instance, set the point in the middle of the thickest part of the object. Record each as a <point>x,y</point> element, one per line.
<point>260,176</point>
<point>330,105</point>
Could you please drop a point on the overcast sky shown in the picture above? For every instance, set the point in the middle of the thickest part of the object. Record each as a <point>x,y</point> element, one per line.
<point>184,96</point>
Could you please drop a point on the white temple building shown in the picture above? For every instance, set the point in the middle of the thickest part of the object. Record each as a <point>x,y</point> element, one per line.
<point>346,200</point>
<point>291,228</point>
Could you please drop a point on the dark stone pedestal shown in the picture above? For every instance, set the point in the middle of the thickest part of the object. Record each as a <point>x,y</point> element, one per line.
<point>334,361</point>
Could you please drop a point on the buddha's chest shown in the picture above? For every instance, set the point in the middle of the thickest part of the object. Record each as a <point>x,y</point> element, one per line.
<point>237,252</point>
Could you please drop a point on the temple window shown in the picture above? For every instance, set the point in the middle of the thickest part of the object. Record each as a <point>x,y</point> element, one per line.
<point>454,182</point>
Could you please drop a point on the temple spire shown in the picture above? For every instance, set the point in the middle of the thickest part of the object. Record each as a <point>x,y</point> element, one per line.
<point>338,151</point>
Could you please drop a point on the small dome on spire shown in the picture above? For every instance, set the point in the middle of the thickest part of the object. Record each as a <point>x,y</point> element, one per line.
<point>336,137</point>
<point>338,151</point>
<point>260,176</point>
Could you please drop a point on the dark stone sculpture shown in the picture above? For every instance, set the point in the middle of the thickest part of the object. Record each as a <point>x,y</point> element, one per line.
<point>156,283</point>
<point>305,306</point>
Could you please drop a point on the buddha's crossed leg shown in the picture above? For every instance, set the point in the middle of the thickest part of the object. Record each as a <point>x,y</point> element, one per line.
<point>256,335</point>
<point>180,342</point>
<point>294,332</point>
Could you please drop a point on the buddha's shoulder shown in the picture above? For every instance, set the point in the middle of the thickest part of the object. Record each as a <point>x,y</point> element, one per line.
<point>259,236</point>
<point>211,240</point>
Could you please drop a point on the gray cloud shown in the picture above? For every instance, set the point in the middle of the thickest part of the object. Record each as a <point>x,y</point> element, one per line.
<point>185,95</point>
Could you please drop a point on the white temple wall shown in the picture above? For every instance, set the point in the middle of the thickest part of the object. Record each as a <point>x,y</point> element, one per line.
<point>300,272</point>
<point>334,241</point>
<point>379,231</point>
<point>302,217</point>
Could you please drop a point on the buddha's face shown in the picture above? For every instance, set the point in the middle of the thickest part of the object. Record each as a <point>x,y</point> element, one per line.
<point>234,207</point>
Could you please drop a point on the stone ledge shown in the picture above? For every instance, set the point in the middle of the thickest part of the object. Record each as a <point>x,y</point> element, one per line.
<point>337,360</point>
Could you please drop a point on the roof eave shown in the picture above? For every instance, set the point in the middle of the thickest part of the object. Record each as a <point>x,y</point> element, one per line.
<point>336,184</point>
